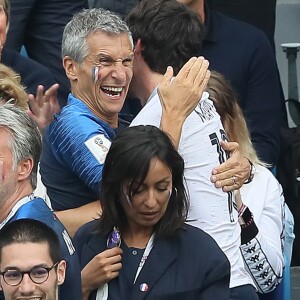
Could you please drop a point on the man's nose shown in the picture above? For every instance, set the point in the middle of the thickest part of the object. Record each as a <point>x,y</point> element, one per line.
<point>119,71</point>
<point>27,286</point>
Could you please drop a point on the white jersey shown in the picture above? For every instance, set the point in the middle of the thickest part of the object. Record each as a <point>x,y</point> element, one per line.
<point>210,208</point>
<point>264,253</point>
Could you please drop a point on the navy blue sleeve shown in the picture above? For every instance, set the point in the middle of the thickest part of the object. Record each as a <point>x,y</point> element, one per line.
<point>32,73</point>
<point>71,289</point>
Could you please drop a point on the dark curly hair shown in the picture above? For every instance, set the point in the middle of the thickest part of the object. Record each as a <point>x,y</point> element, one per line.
<point>170,33</point>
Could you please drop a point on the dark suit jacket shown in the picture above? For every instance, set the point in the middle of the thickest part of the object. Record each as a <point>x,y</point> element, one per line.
<point>32,73</point>
<point>187,266</point>
<point>243,54</point>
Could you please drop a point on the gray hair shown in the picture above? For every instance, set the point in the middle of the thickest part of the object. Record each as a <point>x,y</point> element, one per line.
<point>87,22</point>
<point>25,139</point>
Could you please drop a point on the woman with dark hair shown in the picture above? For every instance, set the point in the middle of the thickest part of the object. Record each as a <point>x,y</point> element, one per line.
<point>141,247</point>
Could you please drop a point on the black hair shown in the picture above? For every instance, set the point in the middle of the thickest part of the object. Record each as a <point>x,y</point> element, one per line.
<point>170,33</point>
<point>30,231</point>
<point>128,162</point>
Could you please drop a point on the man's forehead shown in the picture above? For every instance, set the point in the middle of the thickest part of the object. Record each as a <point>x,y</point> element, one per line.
<point>5,133</point>
<point>41,247</point>
<point>38,252</point>
<point>114,45</point>
<point>104,38</point>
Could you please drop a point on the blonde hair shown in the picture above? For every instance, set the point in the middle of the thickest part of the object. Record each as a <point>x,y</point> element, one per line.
<point>11,88</point>
<point>232,117</point>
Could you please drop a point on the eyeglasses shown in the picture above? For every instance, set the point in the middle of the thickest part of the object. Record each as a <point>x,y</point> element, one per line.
<point>37,275</point>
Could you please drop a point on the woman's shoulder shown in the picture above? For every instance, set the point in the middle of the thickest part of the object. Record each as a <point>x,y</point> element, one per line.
<point>195,236</point>
<point>196,243</point>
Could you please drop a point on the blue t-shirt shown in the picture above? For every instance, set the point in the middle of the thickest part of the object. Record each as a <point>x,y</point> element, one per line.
<point>74,149</point>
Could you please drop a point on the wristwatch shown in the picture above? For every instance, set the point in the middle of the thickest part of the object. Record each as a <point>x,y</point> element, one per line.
<point>252,172</point>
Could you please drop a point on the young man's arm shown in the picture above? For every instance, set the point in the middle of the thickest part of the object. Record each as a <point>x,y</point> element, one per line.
<point>178,98</point>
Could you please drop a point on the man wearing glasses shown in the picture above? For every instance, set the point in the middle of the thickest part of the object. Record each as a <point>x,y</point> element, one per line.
<point>31,265</point>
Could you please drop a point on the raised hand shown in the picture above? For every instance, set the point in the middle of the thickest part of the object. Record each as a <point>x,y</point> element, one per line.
<point>180,95</point>
<point>43,106</point>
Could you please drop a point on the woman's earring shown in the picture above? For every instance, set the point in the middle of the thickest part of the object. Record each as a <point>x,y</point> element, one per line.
<point>128,199</point>
<point>171,192</point>
<point>175,191</point>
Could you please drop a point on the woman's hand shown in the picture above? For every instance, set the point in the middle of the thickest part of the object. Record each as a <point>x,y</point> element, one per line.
<point>104,267</point>
<point>231,174</point>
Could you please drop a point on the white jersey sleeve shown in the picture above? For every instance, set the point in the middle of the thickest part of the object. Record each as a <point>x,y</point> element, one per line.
<point>263,254</point>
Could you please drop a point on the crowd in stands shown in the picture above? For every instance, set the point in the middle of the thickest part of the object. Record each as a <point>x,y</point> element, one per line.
<point>138,140</point>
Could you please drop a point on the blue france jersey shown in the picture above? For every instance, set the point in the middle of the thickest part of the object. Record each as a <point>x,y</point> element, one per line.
<point>74,149</point>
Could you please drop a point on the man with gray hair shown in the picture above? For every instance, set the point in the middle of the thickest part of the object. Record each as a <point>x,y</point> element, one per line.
<point>97,51</point>
<point>20,148</point>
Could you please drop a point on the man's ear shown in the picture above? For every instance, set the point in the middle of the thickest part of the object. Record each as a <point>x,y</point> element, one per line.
<point>25,167</point>
<point>61,272</point>
<point>70,67</point>
<point>138,48</point>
